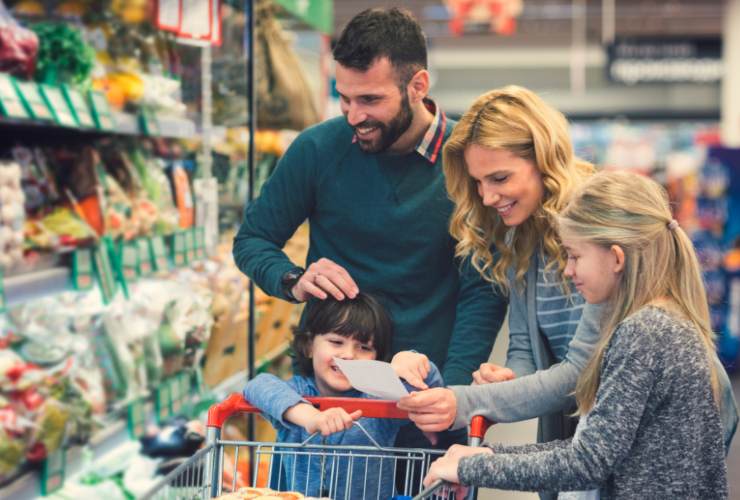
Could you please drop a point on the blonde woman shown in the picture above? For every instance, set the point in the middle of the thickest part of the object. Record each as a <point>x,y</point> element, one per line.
<point>650,423</point>
<point>510,169</point>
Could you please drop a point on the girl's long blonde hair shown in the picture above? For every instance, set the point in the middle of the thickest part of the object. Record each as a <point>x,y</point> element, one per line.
<point>518,121</point>
<point>660,264</point>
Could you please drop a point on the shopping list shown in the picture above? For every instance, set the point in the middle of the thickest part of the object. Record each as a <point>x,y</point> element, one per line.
<point>373,377</point>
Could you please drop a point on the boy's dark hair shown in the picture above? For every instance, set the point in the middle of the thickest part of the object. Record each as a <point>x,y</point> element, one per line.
<point>375,33</point>
<point>362,318</point>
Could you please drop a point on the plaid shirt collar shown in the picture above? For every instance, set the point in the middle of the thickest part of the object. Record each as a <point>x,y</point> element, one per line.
<point>431,143</point>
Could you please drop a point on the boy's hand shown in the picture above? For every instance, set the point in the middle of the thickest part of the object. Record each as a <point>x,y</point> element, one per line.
<point>332,420</point>
<point>413,367</point>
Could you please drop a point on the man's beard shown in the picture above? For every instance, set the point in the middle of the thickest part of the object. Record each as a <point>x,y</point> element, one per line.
<point>390,132</point>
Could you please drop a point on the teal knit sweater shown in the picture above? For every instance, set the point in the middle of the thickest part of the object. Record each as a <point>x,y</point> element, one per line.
<point>384,218</point>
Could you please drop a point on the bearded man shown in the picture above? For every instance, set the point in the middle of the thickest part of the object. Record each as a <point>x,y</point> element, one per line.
<point>371,185</point>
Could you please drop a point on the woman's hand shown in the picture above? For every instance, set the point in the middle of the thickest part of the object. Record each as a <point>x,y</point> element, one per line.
<point>332,420</point>
<point>432,410</point>
<point>488,373</point>
<point>413,367</point>
<point>445,467</point>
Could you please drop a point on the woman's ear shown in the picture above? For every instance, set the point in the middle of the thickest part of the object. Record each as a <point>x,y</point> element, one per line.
<point>618,254</point>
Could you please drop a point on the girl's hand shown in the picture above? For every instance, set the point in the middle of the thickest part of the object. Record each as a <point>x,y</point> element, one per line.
<point>445,467</point>
<point>488,373</point>
<point>413,367</point>
<point>332,420</point>
<point>433,410</point>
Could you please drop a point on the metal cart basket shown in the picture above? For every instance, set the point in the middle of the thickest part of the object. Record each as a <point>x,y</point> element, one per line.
<point>312,468</point>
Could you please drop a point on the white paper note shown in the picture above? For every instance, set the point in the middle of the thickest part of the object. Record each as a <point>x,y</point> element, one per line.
<point>373,377</point>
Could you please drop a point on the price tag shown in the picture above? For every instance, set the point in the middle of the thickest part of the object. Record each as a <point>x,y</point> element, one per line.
<point>34,101</point>
<point>52,471</point>
<point>10,102</point>
<point>101,111</point>
<point>146,267</point>
<point>148,122</point>
<point>130,261</point>
<point>162,402</point>
<point>159,251</point>
<point>58,105</point>
<point>82,269</point>
<point>179,249</point>
<point>79,106</point>
<point>200,242</point>
<point>136,419</point>
<point>104,273</point>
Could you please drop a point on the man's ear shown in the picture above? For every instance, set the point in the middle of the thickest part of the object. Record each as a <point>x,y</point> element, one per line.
<point>418,86</point>
<point>618,254</point>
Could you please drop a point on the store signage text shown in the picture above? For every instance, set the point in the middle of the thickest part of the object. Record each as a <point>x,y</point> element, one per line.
<point>633,61</point>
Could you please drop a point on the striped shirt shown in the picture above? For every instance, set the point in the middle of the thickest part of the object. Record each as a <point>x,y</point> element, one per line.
<point>558,314</point>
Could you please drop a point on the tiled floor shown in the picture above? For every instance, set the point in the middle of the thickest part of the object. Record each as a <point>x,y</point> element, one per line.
<point>524,432</point>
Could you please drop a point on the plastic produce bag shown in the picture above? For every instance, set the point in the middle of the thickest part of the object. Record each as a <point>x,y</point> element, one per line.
<point>18,46</point>
<point>284,98</point>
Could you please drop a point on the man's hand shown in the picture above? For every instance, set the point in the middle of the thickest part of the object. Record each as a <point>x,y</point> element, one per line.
<point>432,410</point>
<point>332,420</point>
<point>488,373</point>
<point>322,278</point>
<point>413,367</point>
<point>445,467</point>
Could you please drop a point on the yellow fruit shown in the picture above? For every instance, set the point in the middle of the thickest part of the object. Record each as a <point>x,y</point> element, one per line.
<point>71,8</point>
<point>29,8</point>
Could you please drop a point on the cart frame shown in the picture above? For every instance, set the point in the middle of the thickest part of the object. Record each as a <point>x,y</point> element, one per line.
<point>206,466</point>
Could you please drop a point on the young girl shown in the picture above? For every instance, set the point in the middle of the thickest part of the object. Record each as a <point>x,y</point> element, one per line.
<point>648,399</point>
<point>358,328</point>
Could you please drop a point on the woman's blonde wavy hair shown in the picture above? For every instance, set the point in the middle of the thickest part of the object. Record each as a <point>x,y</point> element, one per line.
<point>660,264</point>
<point>516,120</point>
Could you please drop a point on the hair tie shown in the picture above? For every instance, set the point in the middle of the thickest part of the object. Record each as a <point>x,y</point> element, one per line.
<point>673,225</point>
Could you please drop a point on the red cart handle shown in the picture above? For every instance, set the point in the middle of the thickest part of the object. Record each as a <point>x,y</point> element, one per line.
<point>372,408</point>
<point>478,427</point>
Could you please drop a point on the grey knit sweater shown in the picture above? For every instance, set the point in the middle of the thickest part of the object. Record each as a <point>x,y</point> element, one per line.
<point>654,430</point>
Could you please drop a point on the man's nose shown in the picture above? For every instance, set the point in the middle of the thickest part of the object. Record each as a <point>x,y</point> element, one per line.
<point>355,114</point>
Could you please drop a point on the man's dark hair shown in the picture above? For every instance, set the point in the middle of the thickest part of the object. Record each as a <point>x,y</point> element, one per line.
<point>362,318</point>
<point>375,33</point>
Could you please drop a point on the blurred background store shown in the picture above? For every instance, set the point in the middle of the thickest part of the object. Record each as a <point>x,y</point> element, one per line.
<point>126,147</point>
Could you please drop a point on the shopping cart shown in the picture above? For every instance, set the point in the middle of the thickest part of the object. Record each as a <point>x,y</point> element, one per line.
<point>339,472</point>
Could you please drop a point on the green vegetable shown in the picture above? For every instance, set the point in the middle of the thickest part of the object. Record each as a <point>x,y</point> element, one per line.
<point>63,55</point>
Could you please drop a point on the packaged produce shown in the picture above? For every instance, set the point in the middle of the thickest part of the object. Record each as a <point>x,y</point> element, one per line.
<point>12,215</point>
